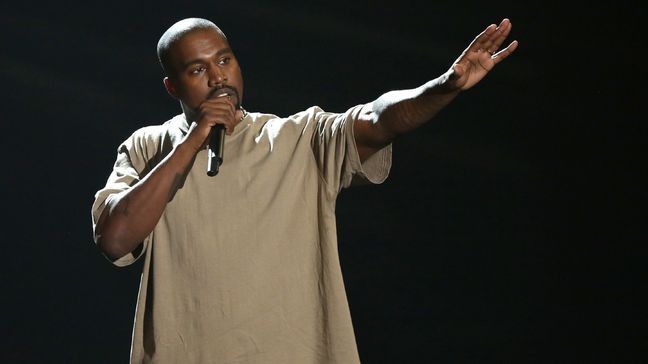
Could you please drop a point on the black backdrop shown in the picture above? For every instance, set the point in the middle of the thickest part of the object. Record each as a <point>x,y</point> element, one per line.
<point>512,228</point>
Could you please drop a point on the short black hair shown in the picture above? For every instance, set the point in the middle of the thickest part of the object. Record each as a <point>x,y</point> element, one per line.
<point>175,33</point>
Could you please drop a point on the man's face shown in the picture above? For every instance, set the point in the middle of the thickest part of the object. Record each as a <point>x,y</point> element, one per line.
<point>201,64</point>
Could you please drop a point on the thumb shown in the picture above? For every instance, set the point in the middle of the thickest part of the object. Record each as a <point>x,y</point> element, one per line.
<point>458,70</point>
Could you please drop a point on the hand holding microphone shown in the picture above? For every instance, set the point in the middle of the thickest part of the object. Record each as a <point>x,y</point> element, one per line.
<point>216,145</point>
<point>220,110</point>
<point>215,117</point>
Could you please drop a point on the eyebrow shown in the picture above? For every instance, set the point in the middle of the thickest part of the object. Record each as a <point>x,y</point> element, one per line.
<point>202,60</point>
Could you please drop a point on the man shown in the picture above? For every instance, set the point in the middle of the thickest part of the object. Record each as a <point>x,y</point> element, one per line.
<point>243,267</point>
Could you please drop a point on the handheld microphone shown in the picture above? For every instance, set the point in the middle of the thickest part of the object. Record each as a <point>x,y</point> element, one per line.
<point>215,149</point>
<point>217,136</point>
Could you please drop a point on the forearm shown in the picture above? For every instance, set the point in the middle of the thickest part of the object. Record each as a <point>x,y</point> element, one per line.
<point>403,111</point>
<point>398,112</point>
<point>129,217</point>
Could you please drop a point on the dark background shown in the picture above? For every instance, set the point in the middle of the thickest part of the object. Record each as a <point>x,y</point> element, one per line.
<point>511,230</point>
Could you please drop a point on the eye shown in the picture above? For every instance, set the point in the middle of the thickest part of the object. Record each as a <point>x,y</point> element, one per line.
<point>223,61</point>
<point>198,70</point>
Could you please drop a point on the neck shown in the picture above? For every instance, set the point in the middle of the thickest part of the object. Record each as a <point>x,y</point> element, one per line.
<point>190,114</point>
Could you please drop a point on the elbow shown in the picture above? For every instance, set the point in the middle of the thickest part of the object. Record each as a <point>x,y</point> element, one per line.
<point>111,248</point>
<point>112,237</point>
<point>114,244</point>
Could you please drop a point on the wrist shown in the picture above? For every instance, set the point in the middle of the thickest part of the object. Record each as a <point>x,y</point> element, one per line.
<point>186,149</point>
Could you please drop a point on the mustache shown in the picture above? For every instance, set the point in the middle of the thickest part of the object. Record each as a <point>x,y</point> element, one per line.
<point>231,91</point>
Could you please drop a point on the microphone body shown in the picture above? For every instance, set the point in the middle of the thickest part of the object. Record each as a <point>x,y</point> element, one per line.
<point>215,149</point>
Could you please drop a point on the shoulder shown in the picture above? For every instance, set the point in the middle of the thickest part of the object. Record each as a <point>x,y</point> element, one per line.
<point>310,113</point>
<point>155,134</point>
<point>307,118</point>
<point>317,113</point>
<point>152,131</point>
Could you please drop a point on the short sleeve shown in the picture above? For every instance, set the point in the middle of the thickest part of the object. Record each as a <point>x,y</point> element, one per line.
<point>337,153</point>
<point>125,174</point>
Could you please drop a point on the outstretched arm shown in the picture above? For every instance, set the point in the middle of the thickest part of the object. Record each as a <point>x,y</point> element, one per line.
<point>398,112</point>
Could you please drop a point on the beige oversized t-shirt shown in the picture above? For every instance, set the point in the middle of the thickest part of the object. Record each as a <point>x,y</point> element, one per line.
<point>243,267</point>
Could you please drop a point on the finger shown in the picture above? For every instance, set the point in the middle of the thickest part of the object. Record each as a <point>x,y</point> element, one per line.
<point>491,38</point>
<point>223,99</point>
<point>212,116</point>
<point>477,45</point>
<point>499,36</point>
<point>456,77</point>
<point>220,102</point>
<point>221,114</point>
<point>218,114</point>
<point>501,55</point>
<point>491,41</point>
<point>211,111</point>
<point>214,110</point>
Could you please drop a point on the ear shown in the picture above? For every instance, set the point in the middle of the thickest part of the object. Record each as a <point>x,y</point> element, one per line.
<point>170,87</point>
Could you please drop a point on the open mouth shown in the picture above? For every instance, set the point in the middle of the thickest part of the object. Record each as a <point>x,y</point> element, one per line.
<point>226,91</point>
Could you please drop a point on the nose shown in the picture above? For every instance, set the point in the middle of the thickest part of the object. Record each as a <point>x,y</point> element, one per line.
<point>216,76</point>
